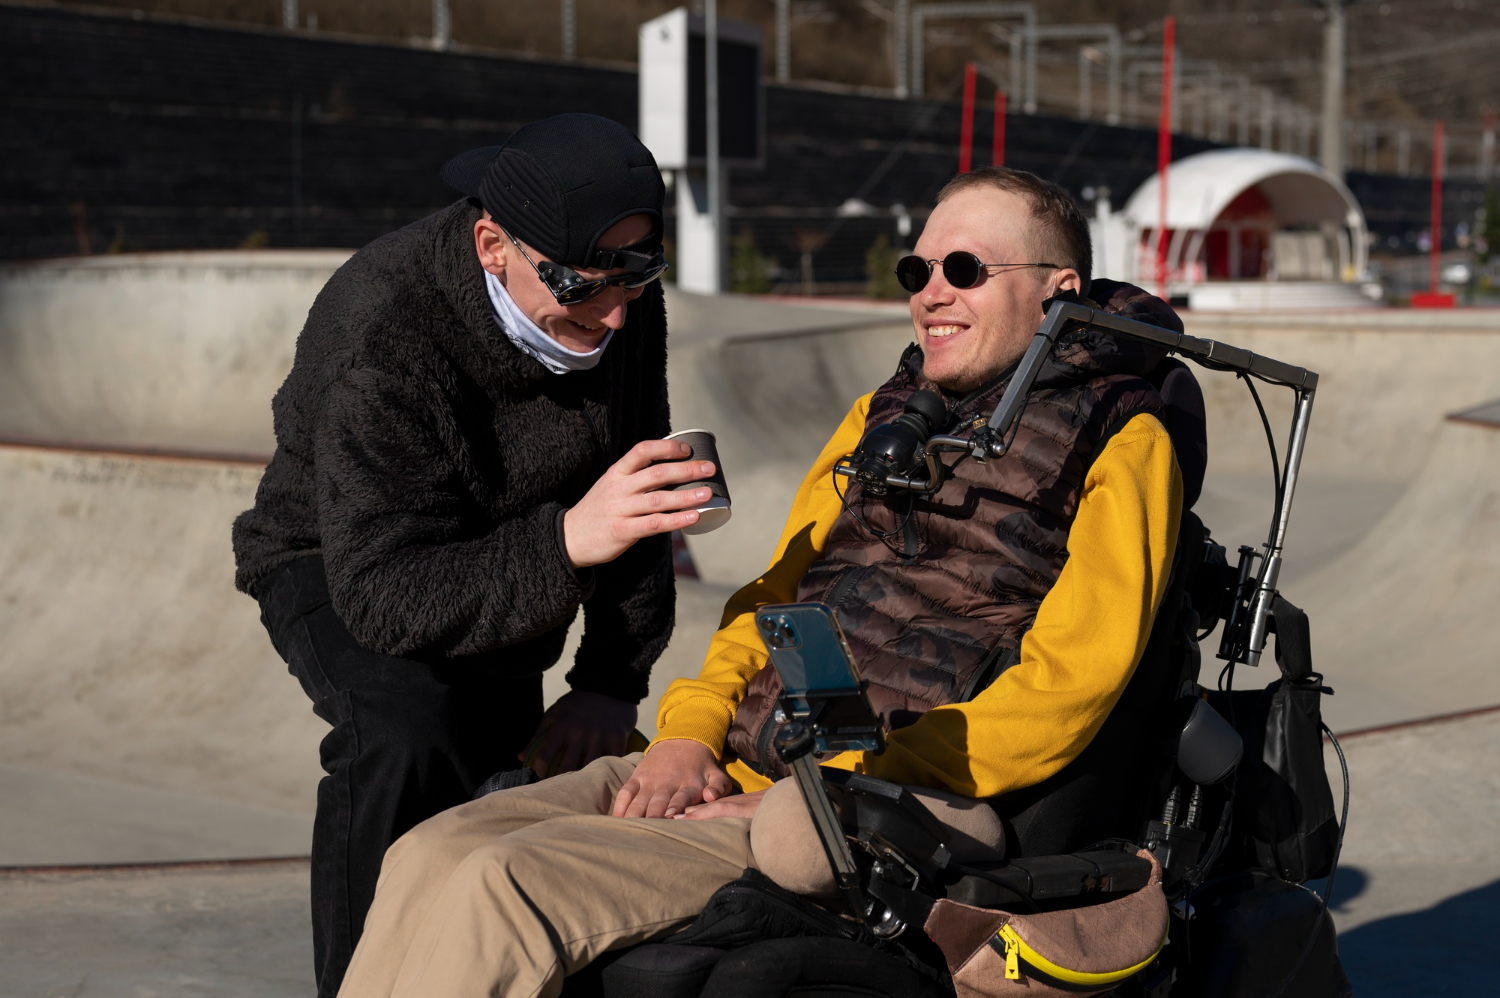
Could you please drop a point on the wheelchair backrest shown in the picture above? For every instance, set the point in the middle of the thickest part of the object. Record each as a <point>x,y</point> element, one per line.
<point>1122,775</point>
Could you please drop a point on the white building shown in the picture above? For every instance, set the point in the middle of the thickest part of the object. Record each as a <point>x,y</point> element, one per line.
<point>1246,229</point>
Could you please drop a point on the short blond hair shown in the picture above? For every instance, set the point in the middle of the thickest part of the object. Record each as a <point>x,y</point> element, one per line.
<point>1064,231</point>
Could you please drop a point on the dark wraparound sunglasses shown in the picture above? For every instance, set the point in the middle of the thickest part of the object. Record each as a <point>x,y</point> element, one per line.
<point>960,269</point>
<point>570,287</point>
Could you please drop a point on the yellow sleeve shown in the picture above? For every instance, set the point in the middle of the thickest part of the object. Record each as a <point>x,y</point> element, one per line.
<point>703,708</point>
<point>1089,634</point>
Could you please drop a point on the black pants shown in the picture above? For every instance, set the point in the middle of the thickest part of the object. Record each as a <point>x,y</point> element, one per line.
<point>409,739</point>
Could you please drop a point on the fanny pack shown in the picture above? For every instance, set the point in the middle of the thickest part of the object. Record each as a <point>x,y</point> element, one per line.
<point>1077,951</point>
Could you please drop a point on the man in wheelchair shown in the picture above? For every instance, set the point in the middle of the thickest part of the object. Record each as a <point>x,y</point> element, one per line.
<point>1021,627</point>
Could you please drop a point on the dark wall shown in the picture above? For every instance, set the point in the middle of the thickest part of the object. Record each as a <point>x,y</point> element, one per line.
<point>162,135</point>
<point>1398,210</point>
<point>127,133</point>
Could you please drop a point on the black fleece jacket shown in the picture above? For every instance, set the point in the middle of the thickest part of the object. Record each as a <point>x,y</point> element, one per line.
<point>428,462</point>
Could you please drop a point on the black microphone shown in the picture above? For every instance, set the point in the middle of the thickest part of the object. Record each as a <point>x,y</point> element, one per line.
<point>898,447</point>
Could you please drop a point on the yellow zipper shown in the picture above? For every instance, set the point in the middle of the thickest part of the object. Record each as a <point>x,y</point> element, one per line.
<point>1016,950</point>
<point>1012,953</point>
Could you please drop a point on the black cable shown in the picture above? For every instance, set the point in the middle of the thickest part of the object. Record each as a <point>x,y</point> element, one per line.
<point>1338,847</point>
<point>1226,671</point>
<point>859,519</point>
<point>1270,438</point>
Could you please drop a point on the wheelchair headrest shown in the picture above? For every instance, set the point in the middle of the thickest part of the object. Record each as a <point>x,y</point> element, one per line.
<point>1174,381</point>
<point>1186,423</point>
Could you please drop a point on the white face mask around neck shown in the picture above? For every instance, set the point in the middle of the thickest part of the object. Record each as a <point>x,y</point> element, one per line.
<point>532,340</point>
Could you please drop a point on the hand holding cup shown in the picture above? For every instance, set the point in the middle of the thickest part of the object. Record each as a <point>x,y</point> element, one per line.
<point>716,512</point>
<point>634,499</point>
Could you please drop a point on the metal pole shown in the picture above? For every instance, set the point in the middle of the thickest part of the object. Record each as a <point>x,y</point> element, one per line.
<point>784,43</point>
<point>1171,83</point>
<point>1270,570</point>
<point>1487,149</point>
<point>966,129</point>
<point>1017,66</point>
<point>711,103</point>
<point>1334,47</point>
<point>1031,62</point>
<point>997,144</point>
<point>1164,150</point>
<point>1244,109</point>
<point>1116,61</point>
<point>442,25</point>
<point>289,14</point>
<point>1085,83</point>
<point>900,45</point>
<point>1372,147</point>
<point>1403,152</point>
<point>917,82</point>
<point>1436,253</point>
<point>570,29</point>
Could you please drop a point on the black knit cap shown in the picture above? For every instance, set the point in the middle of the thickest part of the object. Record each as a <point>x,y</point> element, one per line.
<point>560,183</point>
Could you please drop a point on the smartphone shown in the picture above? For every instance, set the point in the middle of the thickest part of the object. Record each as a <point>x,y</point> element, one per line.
<point>808,648</point>
<point>821,679</point>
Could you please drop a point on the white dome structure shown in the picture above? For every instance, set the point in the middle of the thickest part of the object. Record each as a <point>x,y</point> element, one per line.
<point>1246,228</point>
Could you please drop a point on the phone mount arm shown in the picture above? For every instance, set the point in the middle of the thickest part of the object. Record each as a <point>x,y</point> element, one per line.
<point>795,743</point>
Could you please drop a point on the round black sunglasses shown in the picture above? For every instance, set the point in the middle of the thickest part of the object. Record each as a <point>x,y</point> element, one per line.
<point>570,287</point>
<point>960,269</point>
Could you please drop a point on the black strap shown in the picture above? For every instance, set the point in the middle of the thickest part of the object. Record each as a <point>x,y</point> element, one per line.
<point>1293,641</point>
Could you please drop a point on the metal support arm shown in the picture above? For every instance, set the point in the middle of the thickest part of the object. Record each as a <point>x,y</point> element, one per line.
<point>992,440</point>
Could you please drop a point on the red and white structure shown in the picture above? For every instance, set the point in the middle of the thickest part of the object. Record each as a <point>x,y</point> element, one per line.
<point>1244,229</point>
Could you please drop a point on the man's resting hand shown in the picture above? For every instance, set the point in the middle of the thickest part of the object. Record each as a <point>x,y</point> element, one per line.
<point>577,729</point>
<point>674,775</point>
<point>631,501</point>
<point>737,806</point>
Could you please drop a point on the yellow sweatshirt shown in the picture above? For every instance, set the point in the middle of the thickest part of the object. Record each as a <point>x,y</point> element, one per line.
<point>1089,634</point>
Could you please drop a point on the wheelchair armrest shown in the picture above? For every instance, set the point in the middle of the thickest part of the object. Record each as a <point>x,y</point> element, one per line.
<point>888,817</point>
<point>1050,878</point>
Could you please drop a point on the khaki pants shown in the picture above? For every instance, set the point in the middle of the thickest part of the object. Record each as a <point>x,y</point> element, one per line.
<point>506,895</point>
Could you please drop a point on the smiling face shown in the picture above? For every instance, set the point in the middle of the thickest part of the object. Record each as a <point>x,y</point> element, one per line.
<point>578,327</point>
<point>969,335</point>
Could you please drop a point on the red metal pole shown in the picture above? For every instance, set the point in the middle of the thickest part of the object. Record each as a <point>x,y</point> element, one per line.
<point>966,141</point>
<point>997,150</point>
<point>1164,151</point>
<point>1437,206</point>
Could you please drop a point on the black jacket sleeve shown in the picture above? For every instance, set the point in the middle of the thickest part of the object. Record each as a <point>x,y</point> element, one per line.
<point>629,617</point>
<point>403,577</point>
<point>627,622</point>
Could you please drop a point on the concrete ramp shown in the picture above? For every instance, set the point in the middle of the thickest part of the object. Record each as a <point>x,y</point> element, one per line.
<point>772,380</point>
<point>141,700</point>
<point>142,707</point>
<point>1404,624</point>
<point>128,652</point>
<point>167,351</point>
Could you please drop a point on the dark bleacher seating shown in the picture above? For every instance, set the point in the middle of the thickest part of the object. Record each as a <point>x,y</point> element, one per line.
<point>150,133</point>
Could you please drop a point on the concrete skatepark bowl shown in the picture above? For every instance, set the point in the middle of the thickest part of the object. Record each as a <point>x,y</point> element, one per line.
<point>147,719</point>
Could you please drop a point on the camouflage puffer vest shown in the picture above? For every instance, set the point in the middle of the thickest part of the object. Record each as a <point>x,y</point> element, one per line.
<point>934,594</point>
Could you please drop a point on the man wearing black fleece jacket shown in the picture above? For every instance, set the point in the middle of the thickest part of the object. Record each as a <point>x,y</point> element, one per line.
<point>468,450</point>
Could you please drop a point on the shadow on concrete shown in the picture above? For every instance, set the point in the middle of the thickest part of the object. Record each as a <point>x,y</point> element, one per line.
<point>1348,883</point>
<point>1443,950</point>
